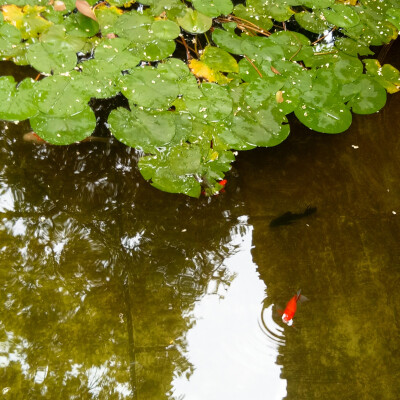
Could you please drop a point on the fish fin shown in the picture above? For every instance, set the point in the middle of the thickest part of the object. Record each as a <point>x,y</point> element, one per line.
<point>303,298</point>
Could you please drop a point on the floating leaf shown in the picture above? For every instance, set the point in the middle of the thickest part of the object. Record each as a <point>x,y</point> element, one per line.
<point>164,29</point>
<point>365,95</point>
<point>311,21</point>
<point>342,15</point>
<point>194,21</point>
<point>249,14</point>
<point>148,87</point>
<point>16,101</point>
<point>9,37</point>
<point>386,75</point>
<point>262,49</point>
<point>228,41</point>
<point>142,129</point>
<point>317,3</point>
<point>64,130</point>
<point>326,118</point>
<point>214,104</point>
<point>106,17</point>
<point>118,52</point>
<point>393,15</point>
<point>295,46</point>
<point>54,55</point>
<point>27,19</point>
<point>265,126</point>
<point>213,8</point>
<point>219,59</point>
<point>62,95</point>
<point>352,47</point>
<point>81,26</point>
<point>134,26</point>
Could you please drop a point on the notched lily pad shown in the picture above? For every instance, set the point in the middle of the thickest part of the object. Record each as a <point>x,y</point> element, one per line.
<point>64,130</point>
<point>142,129</point>
<point>194,21</point>
<point>16,101</point>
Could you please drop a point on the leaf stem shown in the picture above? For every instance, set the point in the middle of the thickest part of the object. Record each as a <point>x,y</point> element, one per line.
<point>253,65</point>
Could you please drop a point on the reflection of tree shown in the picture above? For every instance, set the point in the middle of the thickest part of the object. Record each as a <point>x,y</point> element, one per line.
<point>344,258</point>
<point>98,272</point>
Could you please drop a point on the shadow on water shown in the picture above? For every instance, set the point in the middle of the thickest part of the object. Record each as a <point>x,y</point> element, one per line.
<point>110,289</point>
<point>345,257</point>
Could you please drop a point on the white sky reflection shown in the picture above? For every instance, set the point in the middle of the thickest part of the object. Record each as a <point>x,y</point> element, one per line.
<point>232,357</point>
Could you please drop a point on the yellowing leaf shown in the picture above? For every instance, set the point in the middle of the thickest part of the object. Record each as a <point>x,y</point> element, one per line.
<point>202,70</point>
<point>387,75</point>
<point>27,19</point>
<point>84,8</point>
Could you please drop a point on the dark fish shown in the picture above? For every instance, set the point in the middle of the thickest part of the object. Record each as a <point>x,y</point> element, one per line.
<point>289,217</point>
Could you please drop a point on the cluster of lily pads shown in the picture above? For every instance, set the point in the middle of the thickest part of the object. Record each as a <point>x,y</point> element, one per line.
<point>203,78</point>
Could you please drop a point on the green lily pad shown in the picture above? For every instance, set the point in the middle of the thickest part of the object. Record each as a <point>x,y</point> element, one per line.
<point>9,37</point>
<point>387,75</point>
<point>317,3</point>
<point>81,26</point>
<point>156,168</point>
<point>116,52</point>
<point>228,41</point>
<point>262,49</point>
<point>311,21</point>
<point>153,51</point>
<point>352,47</point>
<point>165,29</point>
<point>194,21</point>
<point>258,91</point>
<point>262,21</point>
<point>142,129</point>
<point>135,27</point>
<point>213,8</point>
<point>100,78</point>
<point>295,46</point>
<point>328,118</point>
<point>214,105</point>
<point>393,15</point>
<point>64,130</point>
<point>265,126</point>
<point>365,95</point>
<point>342,15</point>
<point>16,101</point>
<point>52,57</point>
<point>62,95</point>
<point>150,88</point>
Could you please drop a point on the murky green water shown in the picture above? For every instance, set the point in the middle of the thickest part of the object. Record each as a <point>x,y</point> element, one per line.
<point>110,289</point>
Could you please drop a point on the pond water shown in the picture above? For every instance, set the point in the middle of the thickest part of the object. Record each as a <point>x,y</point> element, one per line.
<point>110,289</point>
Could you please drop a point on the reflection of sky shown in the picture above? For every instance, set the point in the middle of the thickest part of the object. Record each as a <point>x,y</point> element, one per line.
<point>231,355</point>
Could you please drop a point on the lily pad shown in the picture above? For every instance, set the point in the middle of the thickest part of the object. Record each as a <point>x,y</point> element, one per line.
<point>142,129</point>
<point>213,8</point>
<point>228,41</point>
<point>342,15</point>
<point>52,57</point>
<point>311,21</point>
<point>266,126</point>
<point>328,118</point>
<point>16,101</point>
<point>62,95</point>
<point>64,130</point>
<point>365,95</point>
<point>194,21</point>
<point>148,87</point>
<point>165,29</point>
<point>214,104</point>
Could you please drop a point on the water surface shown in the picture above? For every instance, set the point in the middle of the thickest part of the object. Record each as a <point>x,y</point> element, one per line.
<point>110,289</point>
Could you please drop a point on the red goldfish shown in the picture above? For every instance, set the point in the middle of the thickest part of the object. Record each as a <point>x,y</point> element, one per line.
<point>291,307</point>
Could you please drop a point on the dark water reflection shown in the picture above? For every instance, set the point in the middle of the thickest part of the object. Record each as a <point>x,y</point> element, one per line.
<point>110,289</point>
